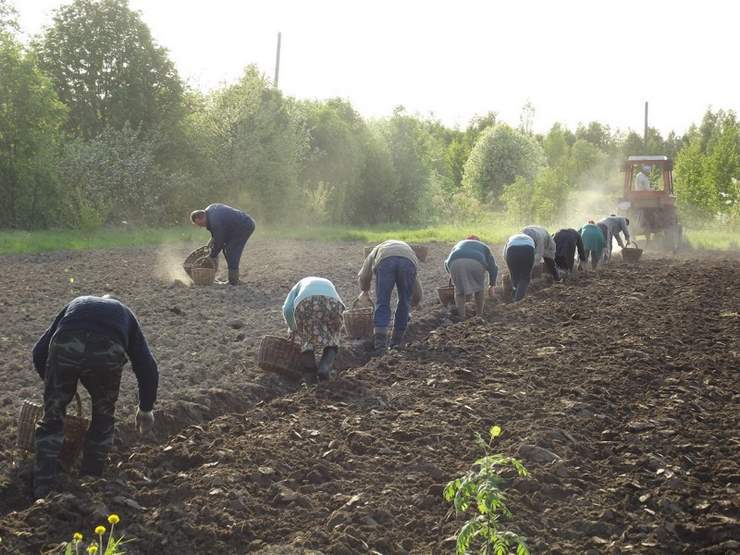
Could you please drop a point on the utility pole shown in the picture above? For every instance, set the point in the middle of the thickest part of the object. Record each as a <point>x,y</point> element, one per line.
<point>277,62</point>
<point>644,136</point>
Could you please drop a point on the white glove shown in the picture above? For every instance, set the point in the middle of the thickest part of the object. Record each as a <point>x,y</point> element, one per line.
<point>144,420</point>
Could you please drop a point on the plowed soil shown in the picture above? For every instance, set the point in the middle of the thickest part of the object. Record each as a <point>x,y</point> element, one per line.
<point>618,390</point>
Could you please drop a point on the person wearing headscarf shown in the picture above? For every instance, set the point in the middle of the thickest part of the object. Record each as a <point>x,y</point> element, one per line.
<point>313,311</point>
<point>472,270</point>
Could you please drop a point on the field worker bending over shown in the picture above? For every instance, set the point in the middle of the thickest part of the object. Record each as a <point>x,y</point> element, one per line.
<point>593,243</point>
<point>519,256</point>
<point>544,248</point>
<point>394,264</point>
<point>230,230</point>
<point>90,341</point>
<point>616,225</point>
<point>313,311</point>
<point>567,241</point>
<point>467,264</point>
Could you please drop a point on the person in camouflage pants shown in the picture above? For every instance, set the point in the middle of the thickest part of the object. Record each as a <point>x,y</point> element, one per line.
<point>82,346</point>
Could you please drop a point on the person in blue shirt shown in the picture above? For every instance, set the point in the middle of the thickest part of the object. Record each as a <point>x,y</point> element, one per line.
<point>467,264</point>
<point>89,341</point>
<point>313,311</point>
<point>519,254</point>
<point>230,230</point>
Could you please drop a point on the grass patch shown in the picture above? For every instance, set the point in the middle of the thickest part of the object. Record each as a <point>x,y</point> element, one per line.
<point>26,242</point>
<point>496,231</point>
<point>713,239</point>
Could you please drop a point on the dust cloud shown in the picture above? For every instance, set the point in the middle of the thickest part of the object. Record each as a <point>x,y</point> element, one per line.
<point>168,267</point>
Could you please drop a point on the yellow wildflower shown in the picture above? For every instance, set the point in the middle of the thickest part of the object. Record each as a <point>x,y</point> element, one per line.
<point>100,530</point>
<point>92,549</point>
<point>113,519</point>
<point>77,537</point>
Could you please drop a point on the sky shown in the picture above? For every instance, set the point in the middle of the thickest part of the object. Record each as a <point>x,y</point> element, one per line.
<point>575,61</point>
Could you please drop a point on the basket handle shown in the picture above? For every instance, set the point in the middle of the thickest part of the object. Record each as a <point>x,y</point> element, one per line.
<point>354,303</point>
<point>634,243</point>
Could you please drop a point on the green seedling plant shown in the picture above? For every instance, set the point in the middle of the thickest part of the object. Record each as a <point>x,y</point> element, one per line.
<point>480,491</point>
<point>100,546</point>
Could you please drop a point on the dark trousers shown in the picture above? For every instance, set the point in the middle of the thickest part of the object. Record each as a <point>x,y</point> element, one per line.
<point>398,272</point>
<point>595,257</point>
<point>520,261</point>
<point>234,245</point>
<point>95,360</point>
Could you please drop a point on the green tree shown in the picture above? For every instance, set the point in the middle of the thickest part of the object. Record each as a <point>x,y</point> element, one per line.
<point>500,155</point>
<point>8,18</point>
<point>255,142</point>
<point>108,70</point>
<point>697,195</point>
<point>408,142</point>
<point>331,171</point>
<point>31,117</point>
<point>556,147</point>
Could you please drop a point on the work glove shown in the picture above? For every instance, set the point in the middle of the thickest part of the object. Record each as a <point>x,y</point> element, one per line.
<point>144,420</point>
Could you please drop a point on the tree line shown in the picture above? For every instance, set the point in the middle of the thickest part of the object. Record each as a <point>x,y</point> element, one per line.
<point>96,127</point>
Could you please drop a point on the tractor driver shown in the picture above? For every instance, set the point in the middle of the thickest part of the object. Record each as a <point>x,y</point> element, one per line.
<point>642,180</point>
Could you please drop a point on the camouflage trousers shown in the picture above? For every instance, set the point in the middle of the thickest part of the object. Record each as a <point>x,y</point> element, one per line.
<point>96,360</point>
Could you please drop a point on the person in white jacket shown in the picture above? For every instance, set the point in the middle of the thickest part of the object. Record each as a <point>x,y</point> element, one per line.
<point>544,248</point>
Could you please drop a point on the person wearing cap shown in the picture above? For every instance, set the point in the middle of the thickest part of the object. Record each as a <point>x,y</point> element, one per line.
<point>544,248</point>
<point>230,230</point>
<point>642,179</point>
<point>593,243</point>
<point>90,341</point>
<point>567,241</point>
<point>467,264</point>
<point>394,265</point>
<point>519,254</point>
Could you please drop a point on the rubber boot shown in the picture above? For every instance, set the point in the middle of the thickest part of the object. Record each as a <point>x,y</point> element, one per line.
<point>308,360</point>
<point>397,339</point>
<point>233,277</point>
<point>380,339</point>
<point>326,364</point>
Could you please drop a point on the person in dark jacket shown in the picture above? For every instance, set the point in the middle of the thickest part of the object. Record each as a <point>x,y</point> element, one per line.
<point>90,341</point>
<point>519,254</point>
<point>567,241</point>
<point>467,264</point>
<point>230,230</point>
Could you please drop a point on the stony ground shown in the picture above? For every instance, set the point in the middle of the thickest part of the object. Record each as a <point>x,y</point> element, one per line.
<point>618,390</point>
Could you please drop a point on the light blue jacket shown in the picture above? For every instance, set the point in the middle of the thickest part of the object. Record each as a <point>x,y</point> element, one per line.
<point>308,287</point>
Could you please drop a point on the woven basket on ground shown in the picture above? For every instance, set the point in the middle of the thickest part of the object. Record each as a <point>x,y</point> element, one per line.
<point>194,256</point>
<point>358,322</point>
<point>421,252</point>
<point>276,354</point>
<point>631,254</point>
<point>203,275</point>
<point>75,428</point>
<point>446,295</point>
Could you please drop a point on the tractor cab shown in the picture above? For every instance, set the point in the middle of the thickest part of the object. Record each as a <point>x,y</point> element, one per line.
<point>648,199</point>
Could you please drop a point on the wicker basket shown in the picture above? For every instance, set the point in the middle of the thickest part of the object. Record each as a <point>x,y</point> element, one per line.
<point>75,428</point>
<point>358,322</point>
<point>203,276</point>
<point>631,254</point>
<point>194,256</point>
<point>276,354</point>
<point>446,295</point>
<point>421,252</point>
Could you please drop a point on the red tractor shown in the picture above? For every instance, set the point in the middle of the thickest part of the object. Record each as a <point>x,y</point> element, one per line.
<point>649,202</point>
